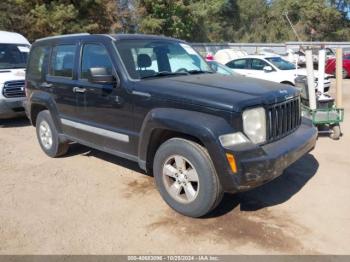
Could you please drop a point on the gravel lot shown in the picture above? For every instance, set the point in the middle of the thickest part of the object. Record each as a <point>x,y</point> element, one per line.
<point>90,202</point>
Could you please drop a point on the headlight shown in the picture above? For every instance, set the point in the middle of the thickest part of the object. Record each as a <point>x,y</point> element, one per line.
<point>254,124</point>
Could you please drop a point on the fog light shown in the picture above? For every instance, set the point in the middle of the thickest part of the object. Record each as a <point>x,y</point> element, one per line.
<point>231,160</point>
<point>229,140</point>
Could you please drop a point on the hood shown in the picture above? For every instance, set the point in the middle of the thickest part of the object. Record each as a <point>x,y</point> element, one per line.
<point>11,75</point>
<point>223,92</point>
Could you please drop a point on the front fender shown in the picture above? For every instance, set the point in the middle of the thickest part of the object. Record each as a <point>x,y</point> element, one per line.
<point>207,128</point>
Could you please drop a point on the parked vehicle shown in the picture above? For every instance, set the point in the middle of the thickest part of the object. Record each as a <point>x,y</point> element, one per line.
<point>331,63</point>
<point>297,56</point>
<point>209,57</point>
<point>200,133</point>
<point>292,56</point>
<point>330,54</point>
<point>225,55</point>
<point>220,68</point>
<point>271,68</point>
<point>14,49</point>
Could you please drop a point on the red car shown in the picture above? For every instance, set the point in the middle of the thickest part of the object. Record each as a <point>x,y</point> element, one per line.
<point>330,66</point>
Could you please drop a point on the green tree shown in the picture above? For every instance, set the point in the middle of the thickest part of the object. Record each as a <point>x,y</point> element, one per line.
<point>193,20</point>
<point>313,20</point>
<point>39,18</point>
<point>214,20</point>
<point>166,17</point>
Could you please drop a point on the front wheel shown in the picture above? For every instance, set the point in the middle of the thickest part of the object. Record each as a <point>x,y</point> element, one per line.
<point>335,132</point>
<point>186,177</point>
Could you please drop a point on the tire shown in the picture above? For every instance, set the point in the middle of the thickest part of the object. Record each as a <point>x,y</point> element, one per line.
<point>48,136</point>
<point>345,73</point>
<point>186,178</point>
<point>335,135</point>
<point>287,83</point>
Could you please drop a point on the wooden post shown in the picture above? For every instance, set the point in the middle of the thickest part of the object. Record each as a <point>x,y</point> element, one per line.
<point>339,77</point>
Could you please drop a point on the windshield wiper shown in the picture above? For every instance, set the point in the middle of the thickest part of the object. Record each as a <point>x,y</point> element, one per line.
<point>161,74</point>
<point>194,72</point>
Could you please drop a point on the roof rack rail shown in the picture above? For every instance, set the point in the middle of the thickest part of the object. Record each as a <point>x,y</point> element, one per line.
<point>60,36</point>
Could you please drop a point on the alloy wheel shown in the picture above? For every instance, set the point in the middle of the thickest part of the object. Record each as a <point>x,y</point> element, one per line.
<point>180,179</point>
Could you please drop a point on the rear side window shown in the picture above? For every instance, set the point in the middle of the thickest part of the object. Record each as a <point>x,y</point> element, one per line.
<point>238,64</point>
<point>94,55</point>
<point>62,60</point>
<point>37,62</point>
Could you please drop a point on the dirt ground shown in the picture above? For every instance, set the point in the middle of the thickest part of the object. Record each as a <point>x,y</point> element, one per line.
<point>89,202</point>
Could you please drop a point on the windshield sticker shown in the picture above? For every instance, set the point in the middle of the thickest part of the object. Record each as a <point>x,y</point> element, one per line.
<point>188,49</point>
<point>23,49</point>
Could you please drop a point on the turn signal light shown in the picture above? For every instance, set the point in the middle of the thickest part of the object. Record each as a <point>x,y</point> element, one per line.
<point>232,161</point>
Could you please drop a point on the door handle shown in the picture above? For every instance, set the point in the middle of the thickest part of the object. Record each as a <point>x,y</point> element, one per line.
<point>77,89</point>
<point>46,85</point>
<point>144,94</point>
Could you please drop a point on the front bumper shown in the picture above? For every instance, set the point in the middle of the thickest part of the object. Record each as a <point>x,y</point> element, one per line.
<point>260,164</point>
<point>10,108</point>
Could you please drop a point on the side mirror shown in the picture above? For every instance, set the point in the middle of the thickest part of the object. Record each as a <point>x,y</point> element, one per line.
<point>268,69</point>
<point>99,75</point>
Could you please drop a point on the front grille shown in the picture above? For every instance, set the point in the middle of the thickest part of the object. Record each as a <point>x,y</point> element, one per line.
<point>283,118</point>
<point>14,89</point>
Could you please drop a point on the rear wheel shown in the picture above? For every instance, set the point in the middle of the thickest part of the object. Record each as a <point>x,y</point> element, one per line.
<point>186,178</point>
<point>48,136</point>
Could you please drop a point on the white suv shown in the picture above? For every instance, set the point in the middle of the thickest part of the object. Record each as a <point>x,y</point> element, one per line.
<point>14,49</point>
<point>271,68</point>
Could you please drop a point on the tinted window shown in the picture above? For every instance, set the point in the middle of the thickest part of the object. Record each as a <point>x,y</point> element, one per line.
<point>258,64</point>
<point>94,55</point>
<point>62,61</point>
<point>13,56</point>
<point>238,64</point>
<point>36,63</point>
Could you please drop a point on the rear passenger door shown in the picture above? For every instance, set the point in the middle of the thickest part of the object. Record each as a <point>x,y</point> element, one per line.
<point>61,81</point>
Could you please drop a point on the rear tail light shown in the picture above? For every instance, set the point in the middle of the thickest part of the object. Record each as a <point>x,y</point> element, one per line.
<point>209,57</point>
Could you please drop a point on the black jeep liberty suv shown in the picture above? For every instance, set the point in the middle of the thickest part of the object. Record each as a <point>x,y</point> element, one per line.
<point>154,100</point>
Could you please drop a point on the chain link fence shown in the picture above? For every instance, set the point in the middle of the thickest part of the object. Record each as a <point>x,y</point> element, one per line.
<point>279,48</point>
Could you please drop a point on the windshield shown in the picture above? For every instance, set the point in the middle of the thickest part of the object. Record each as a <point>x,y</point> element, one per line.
<point>280,63</point>
<point>13,56</point>
<point>159,58</point>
